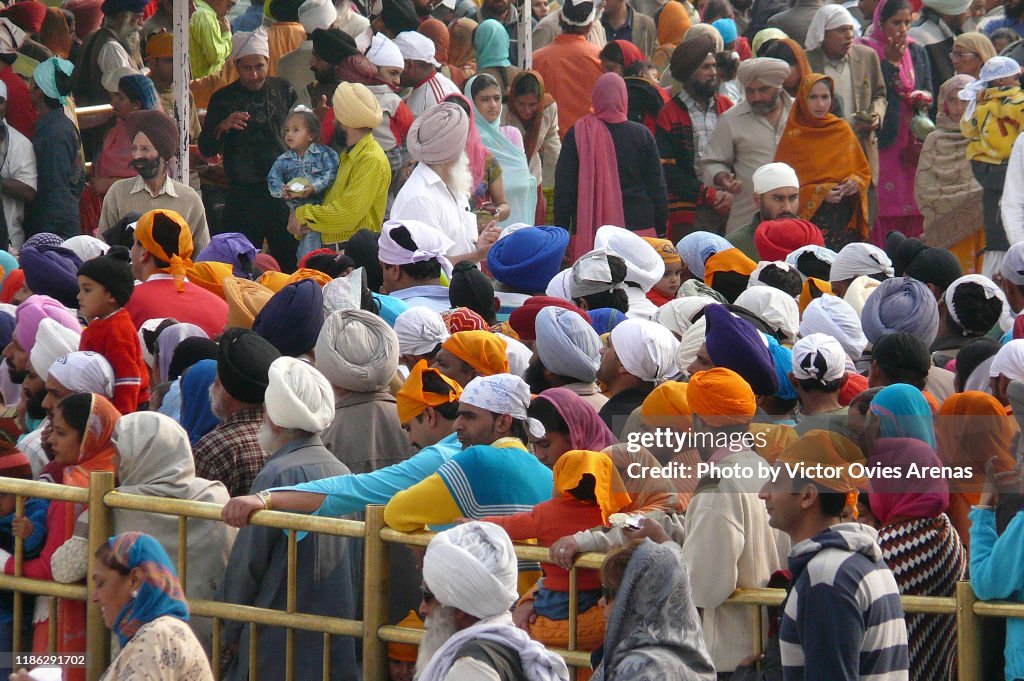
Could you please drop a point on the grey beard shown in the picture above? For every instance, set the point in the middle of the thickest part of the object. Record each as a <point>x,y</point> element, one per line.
<point>439,627</point>
<point>457,176</point>
<point>129,36</point>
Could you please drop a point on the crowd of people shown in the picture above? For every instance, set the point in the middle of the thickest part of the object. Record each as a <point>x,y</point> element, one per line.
<point>705,287</point>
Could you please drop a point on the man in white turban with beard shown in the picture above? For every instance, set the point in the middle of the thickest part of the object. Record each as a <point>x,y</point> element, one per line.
<point>438,190</point>
<point>469,585</point>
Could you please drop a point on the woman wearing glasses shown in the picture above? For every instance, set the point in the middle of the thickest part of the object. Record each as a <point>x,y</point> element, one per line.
<point>970,52</point>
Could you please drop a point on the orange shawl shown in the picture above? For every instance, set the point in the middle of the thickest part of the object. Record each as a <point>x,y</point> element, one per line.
<point>824,153</point>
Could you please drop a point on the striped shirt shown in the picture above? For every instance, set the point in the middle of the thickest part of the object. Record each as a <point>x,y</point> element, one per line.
<point>430,93</point>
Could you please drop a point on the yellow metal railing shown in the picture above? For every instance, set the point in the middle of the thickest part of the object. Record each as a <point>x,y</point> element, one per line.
<point>373,629</point>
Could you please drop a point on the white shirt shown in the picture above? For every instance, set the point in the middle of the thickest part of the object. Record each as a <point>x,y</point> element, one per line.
<point>111,60</point>
<point>1012,204</point>
<point>430,93</point>
<point>426,197</point>
<point>17,162</point>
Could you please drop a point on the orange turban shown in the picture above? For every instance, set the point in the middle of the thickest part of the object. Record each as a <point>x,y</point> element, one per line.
<point>668,399</point>
<point>413,399</point>
<point>160,45</point>
<point>275,281</point>
<point>813,288</point>
<point>406,652</point>
<point>481,350</point>
<point>210,275</point>
<point>665,248</point>
<point>833,453</point>
<point>178,263</point>
<point>608,488</point>
<point>720,397</point>
<point>245,300</point>
<point>729,260</point>
<point>319,277</point>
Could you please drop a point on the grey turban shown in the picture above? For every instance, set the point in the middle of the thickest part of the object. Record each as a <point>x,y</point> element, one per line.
<point>900,304</point>
<point>357,351</point>
<point>567,345</point>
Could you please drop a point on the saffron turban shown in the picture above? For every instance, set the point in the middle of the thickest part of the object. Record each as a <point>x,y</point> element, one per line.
<point>777,309</point>
<point>160,45</point>
<point>178,262</point>
<point>729,260</point>
<point>833,451</point>
<point>720,397</point>
<point>901,304</point>
<point>472,567</point>
<point>528,258</point>
<point>696,247</point>
<point>523,319</point>
<point>357,351</point>
<point>84,372</point>
<point>665,249</point>
<point>608,488</point>
<point>412,398</point>
<point>668,399</point>
<point>210,276</point>
<point>53,341</point>
<point>833,316</point>
<point>818,357</point>
<point>775,239</point>
<point>567,344</point>
<point>644,266</point>
<point>52,271</point>
<point>34,310</point>
<point>420,330</point>
<point>355,106</point>
<point>859,258</point>
<point>245,43</point>
<point>245,300</point>
<point>292,318</point>
<point>298,396</point>
<point>735,344</point>
<point>482,350</point>
<point>766,70</point>
<point>812,289</point>
<point>645,349</point>
<point>439,134</point>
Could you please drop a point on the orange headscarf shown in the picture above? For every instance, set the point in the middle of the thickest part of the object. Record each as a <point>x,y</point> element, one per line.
<point>608,489</point>
<point>319,277</point>
<point>824,152</point>
<point>406,652</point>
<point>413,399</point>
<point>438,34</point>
<point>245,300</point>
<point>460,47</point>
<point>665,248</point>
<point>532,126</point>
<point>832,451</point>
<point>721,397</point>
<point>673,23</point>
<point>668,399</point>
<point>96,453</point>
<point>729,260</point>
<point>802,65</point>
<point>210,276</point>
<point>275,281</point>
<point>481,350</point>
<point>821,287</point>
<point>178,263</point>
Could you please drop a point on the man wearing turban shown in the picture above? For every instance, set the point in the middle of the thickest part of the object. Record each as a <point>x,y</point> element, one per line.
<point>566,355</point>
<point>745,137</point>
<point>250,145</point>
<point>776,197</point>
<point>299,405</point>
<point>105,54</point>
<point>469,354</point>
<point>154,137</point>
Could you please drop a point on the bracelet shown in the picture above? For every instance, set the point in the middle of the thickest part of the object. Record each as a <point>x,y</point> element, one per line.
<point>984,508</point>
<point>264,495</point>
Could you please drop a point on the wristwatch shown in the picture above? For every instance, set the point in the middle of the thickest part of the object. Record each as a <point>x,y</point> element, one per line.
<point>264,495</point>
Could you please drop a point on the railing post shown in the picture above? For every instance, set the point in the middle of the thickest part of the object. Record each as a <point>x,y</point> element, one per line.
<point>376,586</point>
<point>968,633</point>
<point>97,656</point>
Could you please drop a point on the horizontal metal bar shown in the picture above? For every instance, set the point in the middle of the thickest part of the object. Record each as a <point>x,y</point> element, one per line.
<point>94,110</point>
<point>999,609</point>
<point>590,561</point>
<point>931,605</point>
<point>275,618</point>
<point>44,490</point>
<point>394,634</point>
<point>39,587</point>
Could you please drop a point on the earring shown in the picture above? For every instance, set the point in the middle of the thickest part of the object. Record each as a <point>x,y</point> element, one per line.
<point>135,593</point>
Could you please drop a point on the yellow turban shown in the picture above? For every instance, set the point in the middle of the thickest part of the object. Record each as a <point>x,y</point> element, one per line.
<point>608,488</point>
<point>275,281</point>
<point>413,399</point>
<point>209,275</point>
<point>245,300</point>
<point>406,652</point>
<point>355,106</point>
<point>481,350</point>
<point>178,263</point>
<point>665,248</point>
<point>668,399</point>
<point>813,288</point>
<point>160,45</point>
<point>319,277</point>
<point>720,397</point>
<point>832,452</point>
<point>729,260</point>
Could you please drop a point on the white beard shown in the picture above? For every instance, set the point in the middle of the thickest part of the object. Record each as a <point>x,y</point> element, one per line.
<point>267,439</point>
<point>217,404</point>
<point>439,627</point>
<point>460,177</point>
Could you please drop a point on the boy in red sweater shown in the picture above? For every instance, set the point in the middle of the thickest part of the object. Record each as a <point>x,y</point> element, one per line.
<point>105,285</point>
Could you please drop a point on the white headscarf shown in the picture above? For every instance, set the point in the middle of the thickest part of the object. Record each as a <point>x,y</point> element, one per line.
<point>299,396</point>
<point>775,308</point>
<point>384,52</point>
<point>676,315</point>
<point>420,330</point>
<point>431,244</point>
<point>991,291</point>
<point>498,394</point>
<point>558,287</point>
<point>646,349</point>
<point>825,19</point>
<point>859,258</point>
<point>833,316</point>
<point>84,372</point>
<point>644,266</point>
<point>314,14</point>
<point>567,345</point>
<point>994,69</point>
<point>592,274</point>
<point>517,353</point>
<point>53,341</point>
<point>818,357</point>
<point>1009,361</point>
<point>86,247</point>
<point>344,293</point>
<point>690,344</point>
<point>820,252</point>
<point>357,351</point>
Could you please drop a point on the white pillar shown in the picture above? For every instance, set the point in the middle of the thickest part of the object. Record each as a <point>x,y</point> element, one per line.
<point>182,76</point>
<point>526,35</point>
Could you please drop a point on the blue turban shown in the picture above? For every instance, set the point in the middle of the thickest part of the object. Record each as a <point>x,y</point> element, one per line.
<point>901,304</point>
<point>528,258</point>
<point>604,319</point>
<point>234,249</point>
<point>139,88</point>
<point>6,328</point>
<point>735,344</point>
<point>783,358</point>
<point>9,263</point>
<point>390,307</point>
<point>727,29</point>
<point>696,247</point>
<point>52,271</point>
<point>291,319</point>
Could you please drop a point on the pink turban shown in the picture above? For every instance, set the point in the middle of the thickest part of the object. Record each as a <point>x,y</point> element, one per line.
<point>34,310</point>
<point>439,134</point>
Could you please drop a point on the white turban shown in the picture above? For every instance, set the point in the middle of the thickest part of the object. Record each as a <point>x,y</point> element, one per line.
<point>859,290</point>
<point>818,357</point>
<point>420,330</point>
<point>298,396</point>
<point>775,308</point>
<point>646,349</point>
<point>643,264</point>
<point>755,276</point>
<point>859,258</point>
<point>357,351</point>
<point>314,14</point>
<point>384,53</point>
<point>431,244</point>
<point>498,394</point>
<point>558,287</point>
<point>592,274</point>
<point>1012,267</point>
<point>53,341</point>
<point>677,315</point>
<point>826,255</point>
<point>990,289</point>
<point>84,372</point>
<point>245,43</point>
<point>86,247</point>
<point>149,325</point>
<point>517,353</point>
<point>827,18</point>
<point>415,46</point>
<point>472,567</point>
<point>1009,361</point>
<point>344,293</point>
<point>833,316</point>
<point>567,345</point>
<point>690,344</point>
<point>773,176</point>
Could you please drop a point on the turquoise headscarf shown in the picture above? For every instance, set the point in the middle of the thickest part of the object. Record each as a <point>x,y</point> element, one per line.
<point>45,77</point>
<point>491,42</point>
<point>520,185</point>
<point>904,412</point>
<point>160,593</point>
<point>9,263</point>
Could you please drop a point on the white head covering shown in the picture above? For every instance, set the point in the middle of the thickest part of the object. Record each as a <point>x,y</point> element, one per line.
<point>420,330</point>
<point>818,357</point>
<point>774,175</point>
<point>689,345</point>
<point>859,290</point>
<point>384,53</point>
<point>993,69</point>
<point>1009,361</point>
<point>558,287</point>
<point>589,18</point>
<point>644,266</point>
<point>344,293</point>
<point>431,244</point>
<point>517,353</point>
<point>755,276</point>
<point>472,567</point>
<point>677,315</point>
<point>314,14</point>
<point>820,252</point>
<point>149,325</point>
<point>357,350</point>
<point>859,258</point>
<point>979,377</point>
<point>592,274</point>
<point>567,345</point>
<point>646,349</point>
<point>299,396</point>
<point>825,19</point>
<point>833,316</point>
<point>948,7</point>
<point>1012,267</point>
<point>84,372</point>
<point>502,394</point>
<point>415,46</point>
<point>244,43</point>
<point>53,341</point>
<point>86,247</point>
<point>991,291</point>
<point>775,308</point>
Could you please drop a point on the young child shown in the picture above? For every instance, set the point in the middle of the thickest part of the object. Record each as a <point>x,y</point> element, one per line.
<point>304,173</point>
<point>105,285</point>
<point>668,286</point>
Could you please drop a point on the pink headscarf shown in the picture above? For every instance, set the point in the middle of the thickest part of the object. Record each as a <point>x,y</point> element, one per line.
<point>599,201</point>
<point>586,429</point>
<point>475,148</point>
<point>912,498</point>
<point>878,41</point>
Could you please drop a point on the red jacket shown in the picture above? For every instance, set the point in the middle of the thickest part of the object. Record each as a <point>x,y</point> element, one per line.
<point>116,338</point>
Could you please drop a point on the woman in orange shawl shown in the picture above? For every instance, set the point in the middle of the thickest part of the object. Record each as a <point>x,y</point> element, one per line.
<point>673,23</point>
<point>834,173</point>
<point>80,437</point>
<point>971,428</point>
<point>461,53</point>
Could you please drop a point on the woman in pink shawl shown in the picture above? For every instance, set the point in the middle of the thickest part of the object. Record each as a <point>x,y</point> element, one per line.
<point>905,68</point>
<point>920,546</point>
<point>569,423</point>
<point>608,162</point>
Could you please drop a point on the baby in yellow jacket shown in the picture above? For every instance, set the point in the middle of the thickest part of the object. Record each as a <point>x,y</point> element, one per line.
<point>996,113</point>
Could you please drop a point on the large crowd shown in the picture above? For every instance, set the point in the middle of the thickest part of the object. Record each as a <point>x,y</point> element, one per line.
<point>729,291</point>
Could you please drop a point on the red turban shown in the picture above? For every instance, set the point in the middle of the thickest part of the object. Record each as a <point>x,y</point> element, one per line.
<point>524,318</point>
<point>28,16</point>
<point>775,239</point>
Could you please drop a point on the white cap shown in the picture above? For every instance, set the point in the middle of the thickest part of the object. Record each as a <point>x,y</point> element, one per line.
<point>416,47</point>
<point>384,52</point>
<point>314,14</point>
<point>819,357</point>
<point>774,175</point>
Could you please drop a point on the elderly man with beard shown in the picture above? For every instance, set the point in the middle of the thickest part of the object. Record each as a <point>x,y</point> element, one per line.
<point>747,135</point>
<point>683,129</point>
<point>469,584</point>
<point>776,196</point>
<point>154,143</point>
<point>300,404</point>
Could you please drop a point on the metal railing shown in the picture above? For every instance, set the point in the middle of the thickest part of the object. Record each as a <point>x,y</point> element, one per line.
<point>374,629</point>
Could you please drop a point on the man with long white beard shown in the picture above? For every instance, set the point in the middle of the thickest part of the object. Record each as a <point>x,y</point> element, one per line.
<point>437,192</point>
<point>469,584</point>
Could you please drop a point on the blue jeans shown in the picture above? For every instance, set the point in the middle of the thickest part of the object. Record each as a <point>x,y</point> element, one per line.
<point>309,242</point>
